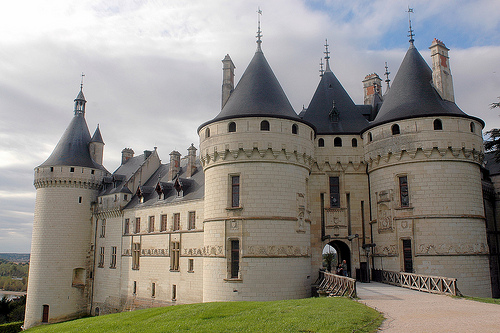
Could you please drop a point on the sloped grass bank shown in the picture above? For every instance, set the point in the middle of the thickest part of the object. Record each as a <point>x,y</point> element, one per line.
<point>304,315</point>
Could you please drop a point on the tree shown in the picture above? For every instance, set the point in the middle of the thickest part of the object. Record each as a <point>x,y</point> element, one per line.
<point>493,142</point>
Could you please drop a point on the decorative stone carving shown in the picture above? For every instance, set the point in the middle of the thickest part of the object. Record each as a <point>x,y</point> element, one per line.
<point>277,251</point>
<point>452,249</point>
<point>386,250</point>
<point>384,218</point>
<point>206,251</point>
<point>153,252</point>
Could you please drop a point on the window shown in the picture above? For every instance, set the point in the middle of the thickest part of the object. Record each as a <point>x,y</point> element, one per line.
<point>153,289</point>
<point>334,192</point>
<point>163,225</point>
<point>177,221</point>
<point>92,172</point>
<point>78,277</point>
<point>321,142</point>
<point>174,256</point>
<point>101,257</point>
<point>337,142</point>
<point>137,225</point>
<point>71,169</point>
<point>370,137</point>
<point>151,226</point>
<point>472,127</point>
<point>174,292</point>
<point>235,191</point>
<point>125,197</point>
<point>51,169</point>
<point>438,125</point>
<point>126,229</point>
<point>264,125</point>
<point>232,127</point>
<point>191,265</point>
<point>112,263</point>
<point>45,313</point>
<point>295,129</point>
<point>80,199</point>
<point>207,133</point>
<point>354,142</point>
<point>403,191</point>
<point>134,288</point>
<point>103,228</point>
<point>395,129</point>
<point>235,258</point>
<point>136,253</point>
<point>192,220</point>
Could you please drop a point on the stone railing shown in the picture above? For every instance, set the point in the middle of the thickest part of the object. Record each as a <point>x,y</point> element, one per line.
<point>336,285</point>
<point>427,283</point>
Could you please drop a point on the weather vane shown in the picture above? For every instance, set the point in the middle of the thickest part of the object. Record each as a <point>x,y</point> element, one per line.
<point>81,83</point>
<point>259,32</point>
<point>411,35</point>
<point>387,75</point>
<point>321,70</point>
<point>327,55</point>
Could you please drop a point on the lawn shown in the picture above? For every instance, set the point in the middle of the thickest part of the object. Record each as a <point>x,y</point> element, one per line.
<point>308,315</point>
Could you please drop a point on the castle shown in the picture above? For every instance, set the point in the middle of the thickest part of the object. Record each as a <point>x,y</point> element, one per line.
<point>395,184</point>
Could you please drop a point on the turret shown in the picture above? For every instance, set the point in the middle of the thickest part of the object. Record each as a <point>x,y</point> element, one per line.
<point>66,185</point>
<point>227,78</point>
<point>441,72</point>
<point>96,146</point>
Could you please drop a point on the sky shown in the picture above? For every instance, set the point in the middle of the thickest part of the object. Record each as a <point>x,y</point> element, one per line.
<point>153,70</point>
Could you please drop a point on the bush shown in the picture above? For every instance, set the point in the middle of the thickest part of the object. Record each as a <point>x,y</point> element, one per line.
<point>11,327</point>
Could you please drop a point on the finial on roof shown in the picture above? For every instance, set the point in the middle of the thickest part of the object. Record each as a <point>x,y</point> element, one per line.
<point>387,75</point>
<point>80,100</point>
<point>259,32</point>
<point>81,83</point>
<point>321,70</point>
<point>327,56</point>
<point>411,35</point>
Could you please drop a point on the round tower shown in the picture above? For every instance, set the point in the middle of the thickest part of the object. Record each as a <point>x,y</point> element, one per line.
<point>424,157</point>
<point>256,156</point>
<point>60,264</point>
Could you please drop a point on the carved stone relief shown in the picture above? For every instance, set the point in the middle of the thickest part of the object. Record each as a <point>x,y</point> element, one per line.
<point>384,218</point>
<point>451,249</point>
<point>386,250</point>
<point>277,251</point>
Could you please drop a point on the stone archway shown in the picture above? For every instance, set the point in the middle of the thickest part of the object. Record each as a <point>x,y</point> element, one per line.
<point>343,253</point>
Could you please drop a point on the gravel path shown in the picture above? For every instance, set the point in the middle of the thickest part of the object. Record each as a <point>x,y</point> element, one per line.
<point>408,310</point>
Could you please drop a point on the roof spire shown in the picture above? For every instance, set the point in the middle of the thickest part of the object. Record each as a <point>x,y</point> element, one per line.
<point>80,100</point>
<point>81,83</point>
<point>321,70</point>
<point>259,32</point>
<point>411,35</point>
<point>387,75</point>
<point>327,56</point>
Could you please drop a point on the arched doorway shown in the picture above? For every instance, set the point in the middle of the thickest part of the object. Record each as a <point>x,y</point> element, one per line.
<point>343,253</point>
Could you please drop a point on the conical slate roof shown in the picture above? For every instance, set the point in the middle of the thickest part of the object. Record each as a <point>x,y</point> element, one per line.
<point>97,137</point>
<point>413,95</point>
<point>320,113</point>
<point>258,94</point>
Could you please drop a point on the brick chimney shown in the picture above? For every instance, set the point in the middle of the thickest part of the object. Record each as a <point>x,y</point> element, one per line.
<point>441,72</point>
<point>227,78</point>
<point>191,165</point>
<point>127,153</point>
<point>372,84</point>
<point>175,164</point>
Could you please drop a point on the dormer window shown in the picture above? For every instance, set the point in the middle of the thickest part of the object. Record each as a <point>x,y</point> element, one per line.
<point>264,125</point>
<point>395,129</point>
<point>232,127</point>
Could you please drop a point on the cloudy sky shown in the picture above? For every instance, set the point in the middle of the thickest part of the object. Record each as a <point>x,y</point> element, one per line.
<point>153,69</point>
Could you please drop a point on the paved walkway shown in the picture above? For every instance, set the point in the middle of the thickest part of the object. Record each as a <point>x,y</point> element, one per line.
<point>408,310</point>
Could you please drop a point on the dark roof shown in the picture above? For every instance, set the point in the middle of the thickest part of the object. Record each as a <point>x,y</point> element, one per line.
<point>413,95</point>
<point>258,94</point>
<point>73,147</point>
<point>193,187</point>
<point>122,175</point>
<point>80,95</point>
<point>350,116</point>
<point>491,164</point>
<point>97,137</point>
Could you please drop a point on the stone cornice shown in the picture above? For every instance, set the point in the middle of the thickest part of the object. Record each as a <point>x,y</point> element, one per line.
<point>92,184</point>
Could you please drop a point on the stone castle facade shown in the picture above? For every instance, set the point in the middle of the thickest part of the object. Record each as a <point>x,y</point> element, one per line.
<point>397,183</point>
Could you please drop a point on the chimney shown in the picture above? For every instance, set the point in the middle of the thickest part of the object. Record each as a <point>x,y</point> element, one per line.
<point>227,79</point>
<point>441,73</point>
<point>191,166</point>
<point>175,164</point>
<point>372,84</point>
<point>127,154</point>
<point>147,153</point>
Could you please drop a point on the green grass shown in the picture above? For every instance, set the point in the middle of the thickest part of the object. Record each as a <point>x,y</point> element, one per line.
<point>482,299</point>
<point>305,315</point>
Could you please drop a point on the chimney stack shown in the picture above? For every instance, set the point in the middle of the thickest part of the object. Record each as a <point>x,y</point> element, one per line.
<point>175,164</point>
<point>441,72</point>
<point>127,153</point>
<point>191,165</point>
<point>227,78</point>
<point>372,84</point>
